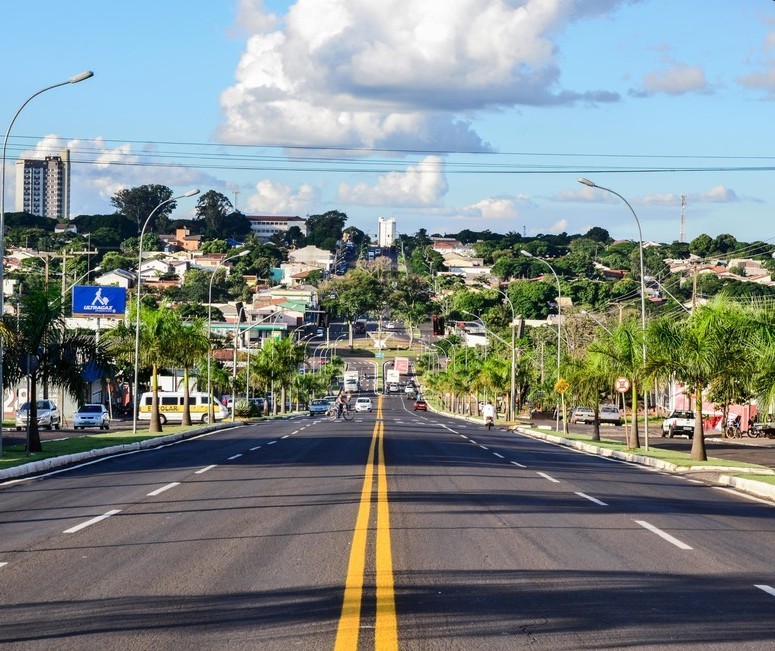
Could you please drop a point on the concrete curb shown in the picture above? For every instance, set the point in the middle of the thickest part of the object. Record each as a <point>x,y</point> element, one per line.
<point>749,486</point>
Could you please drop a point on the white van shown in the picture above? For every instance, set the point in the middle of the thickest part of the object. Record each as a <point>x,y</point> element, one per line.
<point>171,407</point>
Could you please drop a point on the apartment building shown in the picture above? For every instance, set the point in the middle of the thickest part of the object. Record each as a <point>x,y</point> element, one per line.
<point>43,186</point>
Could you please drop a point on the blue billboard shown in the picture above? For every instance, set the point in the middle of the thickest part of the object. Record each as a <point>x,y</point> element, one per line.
<point>99,301</point>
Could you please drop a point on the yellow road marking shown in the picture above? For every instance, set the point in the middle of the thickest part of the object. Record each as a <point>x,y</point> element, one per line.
<point>386,629</point>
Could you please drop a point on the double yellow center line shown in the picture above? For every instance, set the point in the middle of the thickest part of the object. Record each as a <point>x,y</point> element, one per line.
<point>386,629</point>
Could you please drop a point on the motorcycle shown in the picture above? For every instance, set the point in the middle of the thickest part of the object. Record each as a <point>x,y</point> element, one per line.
<point>488,422</point>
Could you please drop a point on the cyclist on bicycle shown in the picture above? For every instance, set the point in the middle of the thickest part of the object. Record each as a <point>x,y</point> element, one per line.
<point>342,401</point>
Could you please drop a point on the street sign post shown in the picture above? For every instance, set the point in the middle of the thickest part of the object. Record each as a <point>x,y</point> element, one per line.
<point>622,384</point>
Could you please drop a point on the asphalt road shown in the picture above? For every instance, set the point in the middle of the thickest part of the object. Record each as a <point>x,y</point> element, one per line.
<point>395,530</point>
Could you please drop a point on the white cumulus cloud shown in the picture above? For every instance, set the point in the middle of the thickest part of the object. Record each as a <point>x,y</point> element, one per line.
<point>421,185</point>
<point>396,73</point>
<point>273,198</point>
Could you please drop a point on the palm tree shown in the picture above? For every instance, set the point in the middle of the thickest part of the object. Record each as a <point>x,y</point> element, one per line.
<point>188,344</point>
<point>39,346</point>
<point>622,354</point>
<point>589,380</point>
<point>157,337</point>
<point>698,351</point>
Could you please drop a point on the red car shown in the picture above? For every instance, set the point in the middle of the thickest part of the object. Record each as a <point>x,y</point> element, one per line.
<point>421,405</point>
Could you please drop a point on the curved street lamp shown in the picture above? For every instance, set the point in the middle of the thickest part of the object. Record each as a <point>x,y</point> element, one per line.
<point>72,80</point>
<point>190,193</point>
<point>210,403</point>
<point>592,184</point>
<point>512,401</point>
<point>527,254</point>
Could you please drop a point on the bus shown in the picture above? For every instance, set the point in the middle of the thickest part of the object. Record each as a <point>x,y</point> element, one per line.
<point>171,407</point>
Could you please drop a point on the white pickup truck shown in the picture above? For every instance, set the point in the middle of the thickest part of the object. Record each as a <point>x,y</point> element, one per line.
<point>679,422</point>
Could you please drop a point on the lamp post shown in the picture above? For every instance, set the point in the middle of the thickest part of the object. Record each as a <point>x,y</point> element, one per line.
<point>592,184</point>
<point>527,254</point>
<point>512,400</point>
<point>190,193</point>
<point>211,405</point>
<point>72,80</point>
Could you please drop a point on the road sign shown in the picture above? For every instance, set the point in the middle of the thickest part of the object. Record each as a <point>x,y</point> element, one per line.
<point>622,384</point>
<point>379,355</point>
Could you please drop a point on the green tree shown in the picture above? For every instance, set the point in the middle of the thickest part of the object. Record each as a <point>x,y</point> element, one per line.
<point>188,344</point>
<point>212,207</point>
<point>351,296</point>
<point>39,345</point>
<point>138,203</point>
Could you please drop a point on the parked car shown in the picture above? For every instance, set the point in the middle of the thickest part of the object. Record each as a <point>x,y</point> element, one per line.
<point>610,414</point>
<point>362,405</point>
<point>48,415</point>
<point>318,406</point>
<point>91,415</point>
<point>584,415</point>
<point>420,405</point>
<point>679,422</point>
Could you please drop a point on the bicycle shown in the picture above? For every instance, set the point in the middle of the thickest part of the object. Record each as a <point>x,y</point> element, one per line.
<point>733,431</point>
<point>347,413</point>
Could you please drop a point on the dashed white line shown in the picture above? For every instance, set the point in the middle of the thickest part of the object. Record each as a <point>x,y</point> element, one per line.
<point>518,465</point>
<point>662,534</point>
<point>287,435</point>
<point>88,523</point>
<point>484,447</point>
<point>158,491</point>
<point>549,477</point>
<point>767,588</point>
<point>474,442</point>
<point>235,456</point>
<point>500,456</point>
<point>271,442</point>
<point>205,469</point>
<point>258,447</point>
<point>463,436</point>
<point>3,564</point>
<point>591,499</point>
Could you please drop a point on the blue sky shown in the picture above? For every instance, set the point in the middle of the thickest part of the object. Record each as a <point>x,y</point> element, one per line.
<point>444,114</point>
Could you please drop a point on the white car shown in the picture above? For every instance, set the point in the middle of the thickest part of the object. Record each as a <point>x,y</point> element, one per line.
<point>91,415</point>
<point>362,405</point>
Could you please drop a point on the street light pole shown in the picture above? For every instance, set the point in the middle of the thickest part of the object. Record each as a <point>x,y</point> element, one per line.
<point>592,184</point>
<point>190,193</point>
<point>211,404</point>
<point>512,403</point>
<point>527,254</point>
<point>72,80</point>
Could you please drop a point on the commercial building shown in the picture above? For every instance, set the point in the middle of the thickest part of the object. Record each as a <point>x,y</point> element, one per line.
<point>43,186</point>
<point>265,227</point>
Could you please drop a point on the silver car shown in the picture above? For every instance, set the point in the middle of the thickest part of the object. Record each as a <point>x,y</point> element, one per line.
<point>48,415</point>
<point>91,415</point>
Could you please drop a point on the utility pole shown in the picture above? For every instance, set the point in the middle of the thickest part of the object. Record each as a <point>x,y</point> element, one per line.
<point>683,218</point>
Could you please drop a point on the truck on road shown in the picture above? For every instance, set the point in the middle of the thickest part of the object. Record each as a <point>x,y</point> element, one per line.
<point>352,381</point>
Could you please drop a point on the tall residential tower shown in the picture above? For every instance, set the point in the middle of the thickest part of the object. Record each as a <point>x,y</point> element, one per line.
<point>386,232</point>
<point>43,186</point>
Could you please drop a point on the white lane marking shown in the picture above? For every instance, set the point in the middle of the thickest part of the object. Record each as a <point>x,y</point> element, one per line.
<point>3,564</point>
<point>158,491</point>
<point>88,523</point>
<point>271,442</point>
<point>287,435</point>
<point>591,499</point>
<point>258,447</point>
<point>549,477</point>
<point>767,588</point>
<point>518,465</point>
<point>500,456</point>
<point>483,447</point>
<point>662,534</point>
<point>205,469</point>
<point>474,442</point>
<point>236,456</point>
<point>463,436</point>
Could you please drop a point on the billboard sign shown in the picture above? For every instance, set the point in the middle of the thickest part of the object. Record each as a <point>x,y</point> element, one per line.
<point>401,364</point>
<point>99,301</point>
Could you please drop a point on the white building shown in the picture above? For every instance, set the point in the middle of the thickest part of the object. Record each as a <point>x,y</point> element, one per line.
<point>265,227</point>
<point>43,186</point>
<point>386,232</point>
